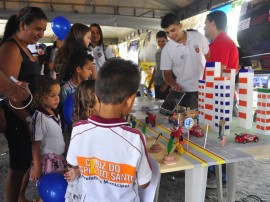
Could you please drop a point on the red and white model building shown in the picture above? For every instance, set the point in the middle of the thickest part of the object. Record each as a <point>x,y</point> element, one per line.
<point>263,111</point>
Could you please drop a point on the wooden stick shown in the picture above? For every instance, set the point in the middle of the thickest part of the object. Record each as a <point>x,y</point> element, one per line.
<point>158,137</point>
<point>223,135</point>
<point>188,140</point>
<point>206,134</point>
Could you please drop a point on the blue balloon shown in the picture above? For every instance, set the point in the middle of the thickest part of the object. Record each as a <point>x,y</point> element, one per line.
<point>52,187</point>
<point>68,109</point>
<point>60,27</point>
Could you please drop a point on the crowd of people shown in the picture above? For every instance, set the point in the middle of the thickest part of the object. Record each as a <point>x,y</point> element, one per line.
<point>103,88</point>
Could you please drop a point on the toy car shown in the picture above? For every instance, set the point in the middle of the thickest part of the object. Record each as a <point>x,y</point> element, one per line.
<point>245,137</point>
<point>197,131</point>
<point>151,118</point>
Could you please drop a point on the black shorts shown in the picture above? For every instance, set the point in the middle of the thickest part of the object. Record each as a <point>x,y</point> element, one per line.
<point>19,142</point>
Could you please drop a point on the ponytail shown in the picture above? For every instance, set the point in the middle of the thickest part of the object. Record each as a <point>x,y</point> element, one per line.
<point>11,27</point>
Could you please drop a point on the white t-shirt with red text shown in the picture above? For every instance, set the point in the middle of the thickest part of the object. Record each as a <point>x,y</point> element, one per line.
<point>112,159</point>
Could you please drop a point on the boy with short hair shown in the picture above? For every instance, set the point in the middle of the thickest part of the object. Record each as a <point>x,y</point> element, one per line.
<point>161,87</point>
<point>111,156</point>
<point>183,57</point>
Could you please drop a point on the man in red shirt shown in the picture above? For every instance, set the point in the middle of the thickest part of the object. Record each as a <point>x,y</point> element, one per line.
<point>221,49</point>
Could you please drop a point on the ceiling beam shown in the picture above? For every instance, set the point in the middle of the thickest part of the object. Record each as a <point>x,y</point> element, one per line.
<point>105,20</point>
<point>143,14</point>
<point>53,5</point>
<point>195,7</point>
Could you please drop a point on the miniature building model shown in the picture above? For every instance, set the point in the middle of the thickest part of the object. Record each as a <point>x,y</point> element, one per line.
<point>263,111</point>
<point>245,99</point>
<point>231,74</point>
<point>201,97</point>
<point>222,103</point>
<point>212,70</point>
<point>215,100</point>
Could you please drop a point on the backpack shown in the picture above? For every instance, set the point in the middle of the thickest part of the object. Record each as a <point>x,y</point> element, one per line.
<point>104,49</point>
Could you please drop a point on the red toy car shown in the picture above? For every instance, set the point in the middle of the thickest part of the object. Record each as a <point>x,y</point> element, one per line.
<point>151,118</point>
<point>245,137</point>
<point>197,131</point>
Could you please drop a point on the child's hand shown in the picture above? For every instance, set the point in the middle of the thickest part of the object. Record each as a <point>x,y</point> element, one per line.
<point>71,174</point>
<point>35,174</point>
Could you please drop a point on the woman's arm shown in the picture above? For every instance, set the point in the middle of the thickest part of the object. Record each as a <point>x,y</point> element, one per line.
<point>10,59</point>
<point>10,62</point>
<point>11,90</point>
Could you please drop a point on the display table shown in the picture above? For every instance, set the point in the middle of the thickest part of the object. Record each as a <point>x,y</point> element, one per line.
<point>196,160</point>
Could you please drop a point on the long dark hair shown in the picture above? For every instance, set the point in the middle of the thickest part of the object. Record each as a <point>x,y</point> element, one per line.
<point>100,33</point>
<point>27,15</point>
<point>73,42</point>
<point>79,59</point>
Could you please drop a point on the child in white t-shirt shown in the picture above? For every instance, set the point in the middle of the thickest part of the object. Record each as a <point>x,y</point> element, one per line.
<point>48,144</point>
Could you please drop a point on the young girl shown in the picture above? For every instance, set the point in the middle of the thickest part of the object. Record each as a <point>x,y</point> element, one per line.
<point>85,105</point>
<point>80,68</point>
<point>78,39</point>
<point>101,52</point>
<point>48,144</point>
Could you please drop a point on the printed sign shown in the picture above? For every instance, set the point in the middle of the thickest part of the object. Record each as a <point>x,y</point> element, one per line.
<point>189,123</point>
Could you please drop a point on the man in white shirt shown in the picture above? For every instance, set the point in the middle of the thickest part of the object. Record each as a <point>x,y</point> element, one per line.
<point>184,57</point>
